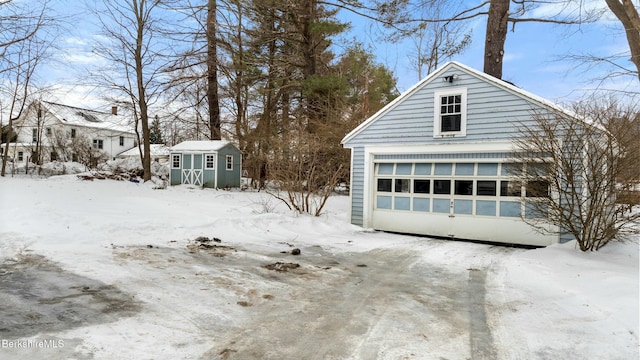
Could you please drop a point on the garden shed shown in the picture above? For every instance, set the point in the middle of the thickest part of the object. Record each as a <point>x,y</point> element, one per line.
<point>436,160</point>
<point>208,163</point>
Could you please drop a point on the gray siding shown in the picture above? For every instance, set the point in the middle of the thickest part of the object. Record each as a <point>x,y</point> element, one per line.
<point>357,185</point>
<point>493,114</point>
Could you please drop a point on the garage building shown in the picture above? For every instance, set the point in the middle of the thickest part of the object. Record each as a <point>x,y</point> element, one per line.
<point>437,160</point>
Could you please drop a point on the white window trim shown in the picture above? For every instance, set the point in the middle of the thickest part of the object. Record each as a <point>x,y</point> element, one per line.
<point>213,163</point>
<point>227,162</point>
<point>179,161</point>
<point>437,125</point>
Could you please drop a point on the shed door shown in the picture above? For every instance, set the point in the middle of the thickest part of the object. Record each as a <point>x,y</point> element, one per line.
<point>192,169</point>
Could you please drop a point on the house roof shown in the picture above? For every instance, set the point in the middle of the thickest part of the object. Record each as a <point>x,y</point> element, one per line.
<point>437,74</point>
<point>156,150</point>
<point>75,116</point>
<point>200,145</point>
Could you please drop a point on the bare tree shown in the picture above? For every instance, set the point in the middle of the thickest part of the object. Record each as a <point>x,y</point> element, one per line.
<point>134,52</point>
<point>627,13</point>
<point>23,48</point>
<point>570,172</point>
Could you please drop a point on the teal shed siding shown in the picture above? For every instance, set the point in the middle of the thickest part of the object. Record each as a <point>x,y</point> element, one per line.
<point>229,177</point>
<point>193,166</point>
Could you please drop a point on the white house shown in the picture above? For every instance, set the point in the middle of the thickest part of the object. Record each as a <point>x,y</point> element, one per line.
<point>54,131</point>
<point>159,152</point>
<point>436,160</point>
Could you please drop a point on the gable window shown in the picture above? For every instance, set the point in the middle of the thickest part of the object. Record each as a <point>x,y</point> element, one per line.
<point>209,161</point>
<point>48,131</point>
<point>121,140</point>
<point>98,144</point>
<point>450,113</point>
<point>175,161</point>
<point>229,162</point>
<point>34,135</point>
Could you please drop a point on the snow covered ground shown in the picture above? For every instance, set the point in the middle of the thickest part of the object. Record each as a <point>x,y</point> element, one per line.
<point>112,270</point>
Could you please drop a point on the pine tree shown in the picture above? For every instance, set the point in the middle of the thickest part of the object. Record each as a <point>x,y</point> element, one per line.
<point>155,134</point>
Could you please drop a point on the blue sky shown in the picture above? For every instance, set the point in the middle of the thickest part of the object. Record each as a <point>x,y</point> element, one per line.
<point>533,57</point>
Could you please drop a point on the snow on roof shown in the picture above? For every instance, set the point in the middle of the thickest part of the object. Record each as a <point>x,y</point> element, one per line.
<point>71,115</point>
<point>201,145</point>
<point>156,150</point>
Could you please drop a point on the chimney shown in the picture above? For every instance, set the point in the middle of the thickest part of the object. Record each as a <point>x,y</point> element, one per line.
<point>114,110</point>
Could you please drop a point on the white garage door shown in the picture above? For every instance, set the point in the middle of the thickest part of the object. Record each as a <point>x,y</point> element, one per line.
<point>470,200</point>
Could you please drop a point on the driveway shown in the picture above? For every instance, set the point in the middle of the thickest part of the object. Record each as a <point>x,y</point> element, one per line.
<point>378,304</point>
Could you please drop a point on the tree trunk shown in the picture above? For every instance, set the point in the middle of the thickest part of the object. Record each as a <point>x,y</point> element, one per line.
<point>628,16</point>
<point>142,95</point>
<point>495,37</point>
<point>212,72</point>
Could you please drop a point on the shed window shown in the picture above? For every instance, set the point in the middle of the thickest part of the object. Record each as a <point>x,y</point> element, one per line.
<point>229,162</point>
<point>209,161</point>
<point>121,140</point>
<point>450,113</point>
<point>175,161</point>
<point>20,156</point>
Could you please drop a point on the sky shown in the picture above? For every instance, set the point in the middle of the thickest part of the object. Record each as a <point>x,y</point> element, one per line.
<point>535,56</point>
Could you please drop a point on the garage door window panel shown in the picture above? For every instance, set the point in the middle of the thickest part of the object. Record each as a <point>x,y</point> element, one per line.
<point>421,204</point>
<point>463,169</point>
<point>404,169</point>
<point>485,188</point>
<point>384,185</point>
<point>385,169</point>
<point>402,185</point>
<point>383,202</point>
<point>463,187</point>
<point>401,203</point>
<point>441,206</point>
<point>422,169</point>
<point>421,186</point>
<point>442,187</point>
<point>464,207</point>
<point>485,208</point>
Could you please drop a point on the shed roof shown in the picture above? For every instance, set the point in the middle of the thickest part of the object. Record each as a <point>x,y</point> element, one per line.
<point>200,145</point>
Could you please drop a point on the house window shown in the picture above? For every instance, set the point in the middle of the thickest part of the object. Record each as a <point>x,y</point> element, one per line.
<point>229,162</point>
<point>20,156</point>
<point>209,161</point>
<point>73,133</point>
<point>175,161</point>
<point>34,135</point>
<point>98,144</point>
<point>121,140</point>
<point>54,156</point>
<point>74,157</point>
<point>450,113</point>
<point>48,131</point>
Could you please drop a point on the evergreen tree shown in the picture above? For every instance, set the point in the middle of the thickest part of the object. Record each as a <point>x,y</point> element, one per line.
<point>155,134</point>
